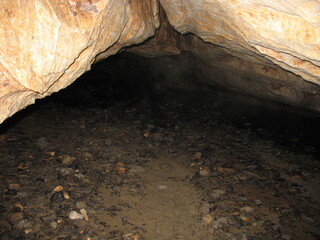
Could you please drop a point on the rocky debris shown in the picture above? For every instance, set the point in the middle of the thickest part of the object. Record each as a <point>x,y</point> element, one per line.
<point>93,186</point>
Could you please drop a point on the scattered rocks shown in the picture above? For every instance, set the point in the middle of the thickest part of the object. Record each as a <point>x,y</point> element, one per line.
<point>241,195</point>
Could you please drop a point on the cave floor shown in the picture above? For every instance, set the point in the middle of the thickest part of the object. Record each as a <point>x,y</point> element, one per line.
<point>134,171</point>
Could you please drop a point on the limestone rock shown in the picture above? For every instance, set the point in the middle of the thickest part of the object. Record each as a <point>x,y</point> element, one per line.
<point>47,44</point>
<point>285,33</point>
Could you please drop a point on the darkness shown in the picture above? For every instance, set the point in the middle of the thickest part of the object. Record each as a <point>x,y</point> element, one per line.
<point>125,79</point>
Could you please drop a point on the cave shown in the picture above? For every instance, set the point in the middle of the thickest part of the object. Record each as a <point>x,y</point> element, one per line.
<point>159,119</point>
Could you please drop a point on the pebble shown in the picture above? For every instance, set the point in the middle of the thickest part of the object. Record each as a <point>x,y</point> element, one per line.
<point>14,186</point>
<point>16,217</point>
<point>244,218</point>
<point>65,171</point>
<point>204,171</point>
<point>74,215</point>
<point>57,197</point>
<point>84,214</point>
<point>68,160</point>
<point>81,204</point>
<point>54,225</point>
<point>66,195</point>
<point>207,218</point>
<point>25,223</point>
<point>247,209</point>
<point>223,220</point>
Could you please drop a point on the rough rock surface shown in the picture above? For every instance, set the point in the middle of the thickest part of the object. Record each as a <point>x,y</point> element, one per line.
<point>47,44</point>
<point>286,33</point>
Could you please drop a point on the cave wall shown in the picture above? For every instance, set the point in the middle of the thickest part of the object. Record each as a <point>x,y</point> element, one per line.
<point>268,49</point>
<point>48,44</point>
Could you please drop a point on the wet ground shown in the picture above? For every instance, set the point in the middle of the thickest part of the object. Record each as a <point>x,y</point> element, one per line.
<point>134,164</point>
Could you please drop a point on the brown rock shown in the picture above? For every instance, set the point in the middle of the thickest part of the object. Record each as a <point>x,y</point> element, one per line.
<point>16,217</point>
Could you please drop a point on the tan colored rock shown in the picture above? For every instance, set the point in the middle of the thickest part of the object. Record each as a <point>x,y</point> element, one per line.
<point>47,44</point>
<point>286,33</point>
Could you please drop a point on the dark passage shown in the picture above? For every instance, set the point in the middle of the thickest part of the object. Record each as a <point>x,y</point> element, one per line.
<point>124,153</point>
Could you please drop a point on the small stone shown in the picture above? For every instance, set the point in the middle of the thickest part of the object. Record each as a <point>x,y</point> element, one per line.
<point>25,223</point>
<point>58,189</point>
<point>81,204</point>
<point>257,202</point>
<point>16,217</point>
<point>84,214</point>
<point>74,215</point>
<point>66,195</point>
<point>68,160</point>
<point>247,209</point>
<point>207,219</point>
<point>14,186</point>
<point>65,171</point>
<point>27,231</point>
<point>204,171</point>
<point>223,220</point>
<point>54,225</point>
<point>244,218</point>
<point>57,197</point>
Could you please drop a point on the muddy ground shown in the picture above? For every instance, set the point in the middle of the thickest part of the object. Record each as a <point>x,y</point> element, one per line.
<point>141,165</point>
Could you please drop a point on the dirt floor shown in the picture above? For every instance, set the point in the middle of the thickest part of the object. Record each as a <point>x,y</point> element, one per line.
<point>161,169</point>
